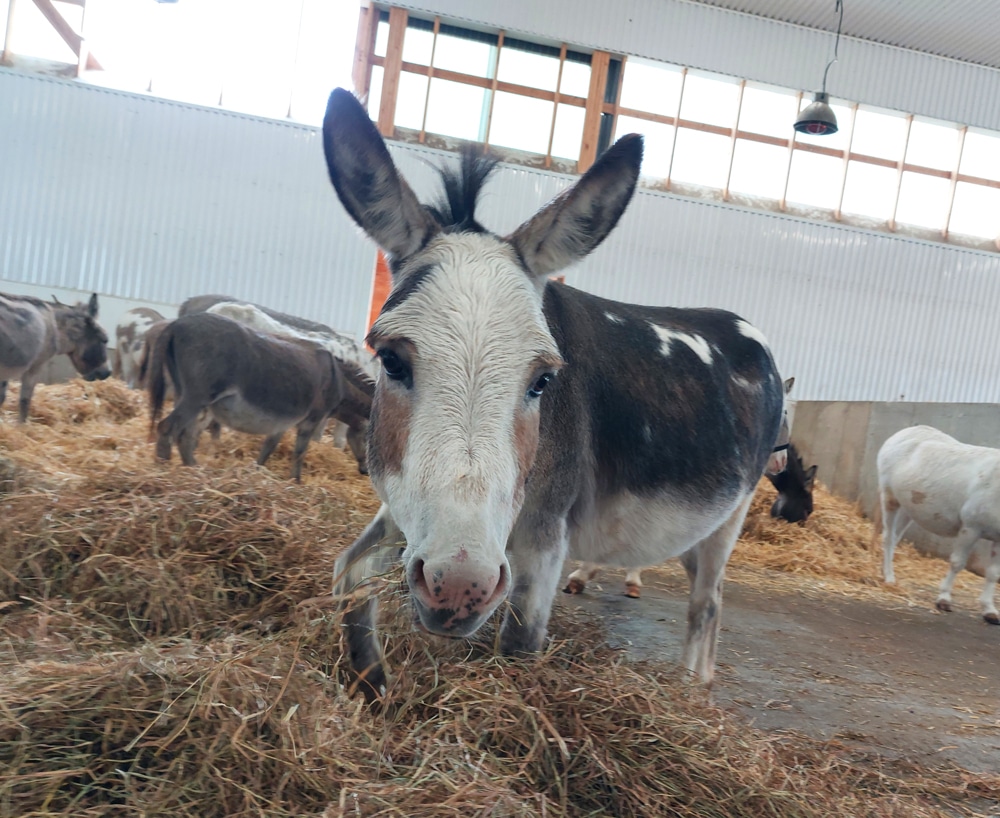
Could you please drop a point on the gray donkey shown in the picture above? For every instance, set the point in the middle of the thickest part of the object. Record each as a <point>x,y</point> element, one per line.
<point>32,332</point>
<point>249,381</point>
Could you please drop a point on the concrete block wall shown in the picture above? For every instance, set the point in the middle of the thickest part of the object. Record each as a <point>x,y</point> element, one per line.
<point>843,438</point>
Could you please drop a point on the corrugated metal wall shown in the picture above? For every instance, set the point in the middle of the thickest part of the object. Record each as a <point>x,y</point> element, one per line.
<point>150,200</point>
<point>730,42</point>
<point>153,200</point>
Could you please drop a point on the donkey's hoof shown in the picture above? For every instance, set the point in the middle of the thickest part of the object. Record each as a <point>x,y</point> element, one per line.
<point>992,618</point>
<point>944,605</point>
<point>574,586</point>
<point>633,591</point>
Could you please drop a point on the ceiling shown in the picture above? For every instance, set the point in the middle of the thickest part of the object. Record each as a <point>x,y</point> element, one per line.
<point>966,30</point>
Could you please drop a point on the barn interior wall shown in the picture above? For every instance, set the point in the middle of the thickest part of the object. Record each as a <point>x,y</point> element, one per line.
<point>843,439</point>
<point>150,201</point>
<point>754,48</point>
<point>153,201</point>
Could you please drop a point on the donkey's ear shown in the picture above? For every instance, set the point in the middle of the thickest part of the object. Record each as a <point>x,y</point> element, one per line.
<point>810,476</point>
<point>579,219</point>
<point>789,384</point>
<point>367,182</point>
<point>92,306</point>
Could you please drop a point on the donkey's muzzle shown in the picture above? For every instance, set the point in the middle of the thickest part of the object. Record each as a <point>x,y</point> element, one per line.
<point>98,374</point>
<point>454,598</point>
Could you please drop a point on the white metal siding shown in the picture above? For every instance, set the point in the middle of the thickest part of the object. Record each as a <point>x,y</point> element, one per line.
<point>155,201</point>
<point>152,200</point>
<point>755,48</point>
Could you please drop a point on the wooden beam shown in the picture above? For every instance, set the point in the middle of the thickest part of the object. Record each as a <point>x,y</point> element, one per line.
<point>364,46</point>
<point>599,62</point>
<point>8,54</point>
<point>65,30</point>
<point>393,66</point>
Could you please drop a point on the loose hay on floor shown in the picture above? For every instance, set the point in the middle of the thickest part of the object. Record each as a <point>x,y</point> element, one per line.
<point>169,649</point>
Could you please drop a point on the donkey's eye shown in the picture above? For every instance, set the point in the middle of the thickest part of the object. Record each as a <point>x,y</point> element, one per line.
<point>395,367</point>
<point>539,386</point>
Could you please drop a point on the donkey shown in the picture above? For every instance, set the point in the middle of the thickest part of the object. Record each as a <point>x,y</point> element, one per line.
<point>794,485</point>
<point>776,466</point>
<point>33,331</point>
<point>516,420</point>
<point>948,488</point>
<point>130,335</point>
<point>249,381</point>
<point>361,365</point>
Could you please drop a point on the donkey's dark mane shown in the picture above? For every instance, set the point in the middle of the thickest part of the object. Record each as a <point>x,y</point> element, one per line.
<point>455,209</point>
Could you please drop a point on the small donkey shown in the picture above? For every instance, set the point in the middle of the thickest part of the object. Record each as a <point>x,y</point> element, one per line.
<point>33,331</point>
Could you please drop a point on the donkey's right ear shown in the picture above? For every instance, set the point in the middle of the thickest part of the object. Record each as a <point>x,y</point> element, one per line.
<point>367,182</point>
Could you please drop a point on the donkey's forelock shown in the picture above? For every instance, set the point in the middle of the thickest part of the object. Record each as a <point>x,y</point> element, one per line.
<point>455,210</point>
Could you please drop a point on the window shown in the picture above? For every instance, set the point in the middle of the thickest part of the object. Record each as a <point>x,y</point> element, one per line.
<point>546,104</point>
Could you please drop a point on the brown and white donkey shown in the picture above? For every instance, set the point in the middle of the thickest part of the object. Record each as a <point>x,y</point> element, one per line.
<point>517,421</point>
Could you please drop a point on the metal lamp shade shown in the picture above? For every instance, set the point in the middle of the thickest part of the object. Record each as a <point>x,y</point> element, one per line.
<point>818,118</point>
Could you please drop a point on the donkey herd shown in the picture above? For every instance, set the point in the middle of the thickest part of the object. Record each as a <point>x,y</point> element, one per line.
<point>508,422</point>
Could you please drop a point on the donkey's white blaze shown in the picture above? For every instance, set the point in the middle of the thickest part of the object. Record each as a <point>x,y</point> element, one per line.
<point>697,344</point>
<point>476,334</point>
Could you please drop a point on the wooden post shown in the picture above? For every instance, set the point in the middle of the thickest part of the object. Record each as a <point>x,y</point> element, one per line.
<point>8,53</point>
<point>70,37</point>
<point>364,46</point>
<point>599,62</point>
<point>393,67</point>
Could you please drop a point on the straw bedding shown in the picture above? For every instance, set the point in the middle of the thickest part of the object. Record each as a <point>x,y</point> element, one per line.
<point>169,648</point>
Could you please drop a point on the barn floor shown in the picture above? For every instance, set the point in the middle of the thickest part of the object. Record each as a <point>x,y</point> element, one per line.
<point>905,682</point>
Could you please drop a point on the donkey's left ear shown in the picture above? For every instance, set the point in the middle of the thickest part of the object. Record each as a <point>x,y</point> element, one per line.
<point>810,476</point>
<point>367,182</point>
<point>576,221</point>
<point>92,306</point>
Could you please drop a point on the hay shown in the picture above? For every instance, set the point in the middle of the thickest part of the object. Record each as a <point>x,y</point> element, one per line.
<point>838,547</point>
<point>169,649</point>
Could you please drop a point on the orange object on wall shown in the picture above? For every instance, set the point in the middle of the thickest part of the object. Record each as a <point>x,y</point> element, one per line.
<point>381,284</point>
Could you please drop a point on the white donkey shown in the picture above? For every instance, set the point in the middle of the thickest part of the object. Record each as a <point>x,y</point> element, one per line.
<point>950,489</point>
<point>517,420</point>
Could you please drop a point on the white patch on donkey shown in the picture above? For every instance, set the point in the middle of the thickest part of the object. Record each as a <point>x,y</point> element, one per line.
<point>696,343</point>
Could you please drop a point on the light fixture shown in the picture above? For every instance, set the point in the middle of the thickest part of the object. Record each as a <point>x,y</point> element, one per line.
<point>818,119</point>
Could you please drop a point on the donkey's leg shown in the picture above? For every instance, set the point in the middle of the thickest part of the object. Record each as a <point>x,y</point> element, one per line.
<point>578,580</point>
<point>894,522</point>
<point>357,439</point>
<point>28,381</point>
<point>3,392</point>
<point>304,433</point>
<point>268,446</point>
<point>705,604</point>
<point>633,583</point>
<point>986,599</point>
<point>187,441</point>
<point>960,552</point>
<point>169,430</point>
<point>536,550</point>
<point>360,634</point>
